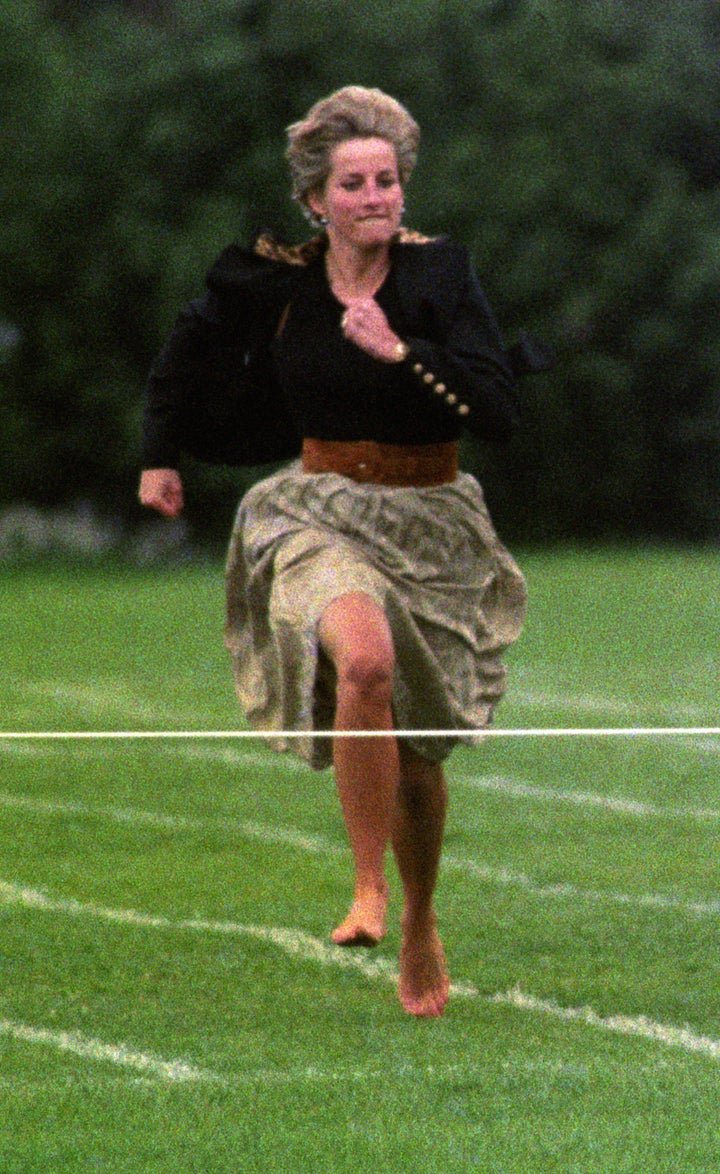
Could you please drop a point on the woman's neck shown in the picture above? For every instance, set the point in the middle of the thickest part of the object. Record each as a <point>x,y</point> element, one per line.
<point>355,274</point>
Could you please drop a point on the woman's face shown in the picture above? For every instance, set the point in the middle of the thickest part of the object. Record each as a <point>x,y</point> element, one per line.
<point>362,199</point>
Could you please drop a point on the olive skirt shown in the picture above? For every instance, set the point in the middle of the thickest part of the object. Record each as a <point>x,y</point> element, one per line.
<point>452,594</point>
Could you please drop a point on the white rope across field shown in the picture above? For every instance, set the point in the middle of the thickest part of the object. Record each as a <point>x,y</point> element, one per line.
<point>200,735</point>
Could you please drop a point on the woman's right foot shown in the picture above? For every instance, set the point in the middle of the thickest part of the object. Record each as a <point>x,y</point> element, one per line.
<point>366,922</point>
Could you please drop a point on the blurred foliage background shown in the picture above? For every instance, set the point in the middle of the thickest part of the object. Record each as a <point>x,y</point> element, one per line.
<point>573,145</point>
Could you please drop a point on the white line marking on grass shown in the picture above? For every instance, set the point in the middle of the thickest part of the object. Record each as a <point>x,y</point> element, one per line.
<point>673,1037</point>
<point>251,830</point>
<point>567,891</point>
<point>295,943</point>
<point>260,1078</point>
<point>233,756</point>
<point>337,1075</point>
<point>300,945</point>
<point>318,845</point>
<point>612,803</point>
<point>603,704</point>
<point>705,745</point>
<point>27,749</point>
<point>241,756</point>
<point>120,1054</point>
<point>104,695</point>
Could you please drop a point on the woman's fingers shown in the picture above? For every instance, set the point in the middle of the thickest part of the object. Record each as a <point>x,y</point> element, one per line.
<point>365,324</point>
<point>161,490</point>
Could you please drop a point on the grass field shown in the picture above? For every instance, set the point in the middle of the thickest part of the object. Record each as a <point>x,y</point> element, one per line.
<point>169,998</point>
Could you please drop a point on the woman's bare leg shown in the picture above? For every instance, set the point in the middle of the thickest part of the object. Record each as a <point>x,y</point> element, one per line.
<point>417,842</point>
<point>355,635</point>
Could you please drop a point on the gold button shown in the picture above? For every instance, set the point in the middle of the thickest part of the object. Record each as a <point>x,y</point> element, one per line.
<point>463,410</point>
<point>440,388</point>
<point>451,399</point>
<point>418,368</point>
<point>428,377</point>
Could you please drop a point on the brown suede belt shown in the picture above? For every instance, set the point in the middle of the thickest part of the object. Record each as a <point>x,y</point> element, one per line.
<point>383,464</point>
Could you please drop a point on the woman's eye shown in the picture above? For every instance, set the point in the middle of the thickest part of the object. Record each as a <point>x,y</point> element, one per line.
<point>354,185</point>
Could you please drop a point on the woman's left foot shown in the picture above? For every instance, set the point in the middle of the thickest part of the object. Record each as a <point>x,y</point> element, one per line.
<point>424,986</point>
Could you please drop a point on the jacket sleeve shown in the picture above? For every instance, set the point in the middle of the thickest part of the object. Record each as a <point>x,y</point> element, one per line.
<point>465,365</point>
<point>181,361</point>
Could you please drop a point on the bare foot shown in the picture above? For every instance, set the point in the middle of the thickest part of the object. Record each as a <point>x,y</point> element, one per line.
<point>365,923</point>
<point>424,986</point>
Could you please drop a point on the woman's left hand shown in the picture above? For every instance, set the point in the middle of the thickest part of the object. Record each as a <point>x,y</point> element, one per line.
<point>365,324</point>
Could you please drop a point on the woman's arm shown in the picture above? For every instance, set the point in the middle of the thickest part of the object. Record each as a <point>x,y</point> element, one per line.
<point>161,486</point>
<point>183,360</point>
<point>465,365</point>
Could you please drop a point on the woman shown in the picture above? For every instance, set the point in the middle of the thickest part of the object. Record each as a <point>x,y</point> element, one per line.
<point>367,590</point>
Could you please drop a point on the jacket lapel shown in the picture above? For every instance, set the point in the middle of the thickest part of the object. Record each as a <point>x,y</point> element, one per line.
<point>428,277</point>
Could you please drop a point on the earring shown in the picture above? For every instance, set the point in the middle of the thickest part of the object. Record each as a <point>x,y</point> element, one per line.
<point>316,220</point>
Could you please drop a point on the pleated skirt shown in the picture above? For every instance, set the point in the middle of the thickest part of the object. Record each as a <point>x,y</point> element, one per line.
<point>453,596</point>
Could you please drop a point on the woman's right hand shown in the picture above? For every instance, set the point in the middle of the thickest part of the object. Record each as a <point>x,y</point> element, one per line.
<point>161,490</point>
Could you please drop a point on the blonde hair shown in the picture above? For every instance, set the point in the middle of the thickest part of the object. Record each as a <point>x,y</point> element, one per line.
<point>350,113</point>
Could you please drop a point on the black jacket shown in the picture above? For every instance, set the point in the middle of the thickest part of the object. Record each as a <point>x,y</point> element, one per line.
<point>212,391</point>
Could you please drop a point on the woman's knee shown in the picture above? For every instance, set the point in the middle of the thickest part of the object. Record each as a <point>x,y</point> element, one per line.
<point>368,672</point>
<point>355,635</point>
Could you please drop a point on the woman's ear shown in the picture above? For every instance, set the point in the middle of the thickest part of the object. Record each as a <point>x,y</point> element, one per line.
<point>316,204</point>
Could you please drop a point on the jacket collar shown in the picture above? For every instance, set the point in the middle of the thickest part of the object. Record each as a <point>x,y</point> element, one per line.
<point>270,265</point>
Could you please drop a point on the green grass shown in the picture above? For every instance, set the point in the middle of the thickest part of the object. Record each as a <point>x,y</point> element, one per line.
<point>137,879</point>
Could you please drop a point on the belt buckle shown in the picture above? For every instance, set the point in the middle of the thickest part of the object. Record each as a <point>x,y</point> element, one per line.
<point>366,464</point>
<point>364,470</point>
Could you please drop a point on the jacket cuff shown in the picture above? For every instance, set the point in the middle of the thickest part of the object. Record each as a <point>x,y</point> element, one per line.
<point>421,360</point>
